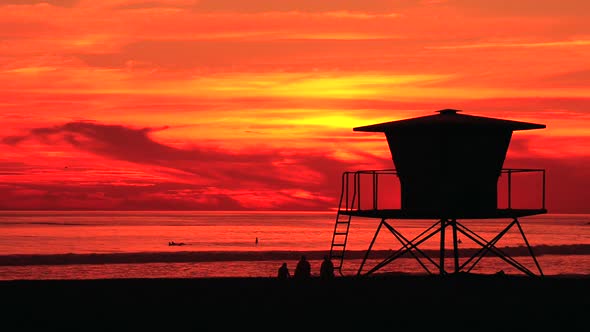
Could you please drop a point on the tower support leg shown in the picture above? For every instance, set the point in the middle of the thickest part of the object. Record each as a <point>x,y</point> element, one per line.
<point>490,246</point>
<point>455,245</point>
<point>407,247</point>
<point>443,225</point>
<point>370,247</point>
<point>412,247</point>
<point>528,246</point>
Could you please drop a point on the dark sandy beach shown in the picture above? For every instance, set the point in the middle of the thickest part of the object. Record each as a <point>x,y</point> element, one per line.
<point>475,301</point>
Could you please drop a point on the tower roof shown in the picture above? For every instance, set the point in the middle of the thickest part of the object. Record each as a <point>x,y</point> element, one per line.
<point>449,118</point>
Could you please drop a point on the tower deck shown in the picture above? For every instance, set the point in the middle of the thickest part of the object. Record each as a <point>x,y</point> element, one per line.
<point>403,214</point>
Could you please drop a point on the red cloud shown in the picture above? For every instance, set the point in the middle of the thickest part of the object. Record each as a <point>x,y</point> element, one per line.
<point>270,179</point>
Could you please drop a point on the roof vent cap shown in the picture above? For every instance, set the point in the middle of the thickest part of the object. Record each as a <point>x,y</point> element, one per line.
<point>448,111</point>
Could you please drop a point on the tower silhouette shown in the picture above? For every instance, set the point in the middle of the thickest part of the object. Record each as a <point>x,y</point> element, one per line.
<point>448,166</point>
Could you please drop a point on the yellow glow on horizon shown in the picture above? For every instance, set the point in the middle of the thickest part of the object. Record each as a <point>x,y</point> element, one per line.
<point>31,70</point>
<point>576,42</point>
<point>335,121</point>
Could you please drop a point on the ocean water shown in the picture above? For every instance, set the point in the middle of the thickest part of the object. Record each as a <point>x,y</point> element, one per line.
<point>135,244</point>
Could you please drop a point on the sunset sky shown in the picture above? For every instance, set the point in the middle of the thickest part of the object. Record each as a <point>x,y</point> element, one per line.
<point>250,104</point>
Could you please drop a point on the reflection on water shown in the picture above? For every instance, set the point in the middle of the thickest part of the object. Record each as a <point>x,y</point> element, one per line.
<point>137,235</point>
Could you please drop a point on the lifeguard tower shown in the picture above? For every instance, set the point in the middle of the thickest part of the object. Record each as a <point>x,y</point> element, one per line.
<point>448,166</point>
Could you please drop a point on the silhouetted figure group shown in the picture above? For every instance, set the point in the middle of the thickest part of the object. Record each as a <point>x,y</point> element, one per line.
<point>172,243</point>
<point>303,270</point>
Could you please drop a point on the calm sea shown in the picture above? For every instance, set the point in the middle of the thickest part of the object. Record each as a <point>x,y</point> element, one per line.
<point>135,244</point>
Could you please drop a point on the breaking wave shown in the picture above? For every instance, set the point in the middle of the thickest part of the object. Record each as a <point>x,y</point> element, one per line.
<point>226,256</point>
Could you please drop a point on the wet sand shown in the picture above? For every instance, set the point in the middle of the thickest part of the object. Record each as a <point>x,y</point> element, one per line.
<point>457,301</point>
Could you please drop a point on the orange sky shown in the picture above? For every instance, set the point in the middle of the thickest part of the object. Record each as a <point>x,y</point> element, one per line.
<point>231,104</point>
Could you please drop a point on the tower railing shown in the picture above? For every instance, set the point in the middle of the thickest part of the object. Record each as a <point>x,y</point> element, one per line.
<point>351,198</point>
<point>356,185</point>
<point>511,171</point>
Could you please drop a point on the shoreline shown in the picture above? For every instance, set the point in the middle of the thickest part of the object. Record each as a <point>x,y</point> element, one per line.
<point>259,302</point>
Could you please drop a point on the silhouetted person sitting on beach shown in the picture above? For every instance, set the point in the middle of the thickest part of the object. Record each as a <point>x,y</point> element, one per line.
<point>327,269</point>
<point>284,272</point>
<point>303,269</point>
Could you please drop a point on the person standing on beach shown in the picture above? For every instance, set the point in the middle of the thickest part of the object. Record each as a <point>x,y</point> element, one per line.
<point>327,269</point>
<point>284,272</point>
<point>303,269</point>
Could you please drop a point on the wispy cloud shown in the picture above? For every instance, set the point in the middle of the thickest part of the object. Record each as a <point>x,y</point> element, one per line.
<point>581,42</point>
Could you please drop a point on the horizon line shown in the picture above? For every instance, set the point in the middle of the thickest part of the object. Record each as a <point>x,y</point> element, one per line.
<point>218,211</point>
